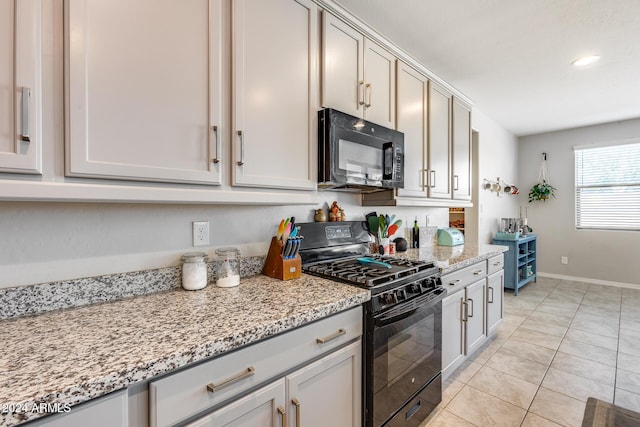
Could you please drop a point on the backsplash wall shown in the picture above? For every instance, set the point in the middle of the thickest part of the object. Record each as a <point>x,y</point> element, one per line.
<point>43,242</point>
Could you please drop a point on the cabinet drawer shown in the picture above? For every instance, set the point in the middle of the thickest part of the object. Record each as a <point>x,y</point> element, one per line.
<point>495,264</point>
<point>186,393</point>
<point>457,280</point>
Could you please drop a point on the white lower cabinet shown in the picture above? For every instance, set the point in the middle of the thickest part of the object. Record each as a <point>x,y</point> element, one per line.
<point>475,315</point>
<point>495,297</point>
<point>471,311</point>
<point>324,393</point>
<point>452,331</point>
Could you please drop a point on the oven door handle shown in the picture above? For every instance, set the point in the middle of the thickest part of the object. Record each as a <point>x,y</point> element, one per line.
<point>387,320</point>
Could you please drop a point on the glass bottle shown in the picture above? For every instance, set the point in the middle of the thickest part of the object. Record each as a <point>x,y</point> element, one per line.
<point>194,271</point>
<point>228,267</point>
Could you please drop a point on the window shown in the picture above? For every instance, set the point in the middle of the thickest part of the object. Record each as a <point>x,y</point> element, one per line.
<point>608,186</point>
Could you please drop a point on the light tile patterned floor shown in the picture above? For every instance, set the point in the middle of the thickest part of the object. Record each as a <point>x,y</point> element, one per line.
<point>560,343</point>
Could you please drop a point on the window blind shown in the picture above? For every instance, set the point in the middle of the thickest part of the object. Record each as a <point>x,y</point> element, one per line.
<point>608,186</point>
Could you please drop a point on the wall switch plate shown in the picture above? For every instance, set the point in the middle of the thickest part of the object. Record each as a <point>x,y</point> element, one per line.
<point>564,260</point>
<point>200,233</point>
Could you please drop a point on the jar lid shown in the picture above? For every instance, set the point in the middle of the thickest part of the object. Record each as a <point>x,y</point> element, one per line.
<point>194,257</point>
<point>228,252</point>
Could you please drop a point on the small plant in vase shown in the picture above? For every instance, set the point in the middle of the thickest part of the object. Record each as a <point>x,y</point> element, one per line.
<point>541,191</point>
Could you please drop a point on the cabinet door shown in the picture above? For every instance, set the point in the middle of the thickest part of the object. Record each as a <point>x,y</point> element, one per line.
<point>144,100</point>
<point>342,70</point>
<point>439,142</point>
<point>264,407</point>
<point>411,116</point>
<point>20,86</point>
<point>106,411</point>
<point>461,150</point>
<point>475,324</point>
<point>275,87</point>
<point>327,392</point>
<point>495,294</point>
<point>452,332</point>
<point>380,85</point>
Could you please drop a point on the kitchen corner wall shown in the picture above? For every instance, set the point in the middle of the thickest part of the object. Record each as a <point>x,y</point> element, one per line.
<point>496,157</point>
<point>43,242</point>
<point>610,256</point>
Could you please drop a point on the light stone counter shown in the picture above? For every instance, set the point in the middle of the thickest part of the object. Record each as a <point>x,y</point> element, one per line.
<point>74,355</point>
<point>451,258</point>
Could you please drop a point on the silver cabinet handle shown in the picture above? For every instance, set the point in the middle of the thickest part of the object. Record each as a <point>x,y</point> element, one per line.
<point>24,128</point>
<point>283,413</point>
<point>497,263</point>
<point>360,93</point>
<point>241,135</point>
<point>296,403</point>
<point>369,87</point>
<point>471,301</point>
<point>464,311</point>
<point>432,178</point>
<point>453,282</point>
<point>242,375</point>
<point>333,336</point>
<point>475,273</point>
<point>455,182</point>
<point>490,294</point>
<point>424,178</point>
<point>216,159</point>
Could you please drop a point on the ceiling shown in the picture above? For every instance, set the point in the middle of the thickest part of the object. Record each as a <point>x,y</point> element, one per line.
<point>513,58</point>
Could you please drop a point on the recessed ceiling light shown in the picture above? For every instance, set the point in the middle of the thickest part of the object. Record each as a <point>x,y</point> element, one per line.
<point>585,60</point>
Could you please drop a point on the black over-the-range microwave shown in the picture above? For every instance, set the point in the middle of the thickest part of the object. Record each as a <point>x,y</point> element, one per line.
<point>356,154</point>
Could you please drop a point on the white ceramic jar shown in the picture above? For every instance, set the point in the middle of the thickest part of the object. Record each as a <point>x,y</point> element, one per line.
<point>194,271</point>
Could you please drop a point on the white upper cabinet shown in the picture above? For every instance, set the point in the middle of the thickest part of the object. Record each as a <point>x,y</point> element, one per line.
<point>439,142</point>
<point>143,81</point>
<point>411,116</point>
<point>461,150</point>
<point>358,76</point>
<point>20,86</point>
<point>275,78</point>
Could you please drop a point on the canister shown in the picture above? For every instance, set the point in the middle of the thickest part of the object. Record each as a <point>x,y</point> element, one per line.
<point>194,270</point>
<point>228,267</point>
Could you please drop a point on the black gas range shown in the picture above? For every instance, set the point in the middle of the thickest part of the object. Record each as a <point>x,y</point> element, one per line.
<point>402,322</point>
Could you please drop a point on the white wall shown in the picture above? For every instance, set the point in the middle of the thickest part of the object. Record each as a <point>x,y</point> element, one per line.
<point>498,151</point>
<point>593,254</point>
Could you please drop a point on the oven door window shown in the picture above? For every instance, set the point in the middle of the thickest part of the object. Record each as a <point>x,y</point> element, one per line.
<point>407,356</point>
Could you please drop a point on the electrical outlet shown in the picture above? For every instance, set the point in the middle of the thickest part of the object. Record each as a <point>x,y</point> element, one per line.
<point>564,260</point>
<point>200,233</point>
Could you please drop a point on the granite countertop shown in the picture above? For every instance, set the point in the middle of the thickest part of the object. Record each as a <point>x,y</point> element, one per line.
<point>451,258</point>
<point>74,355</point>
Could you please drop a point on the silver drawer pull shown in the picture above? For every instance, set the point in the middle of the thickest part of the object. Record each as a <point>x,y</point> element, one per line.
<point>216,159</point>
<point>245,374</point>
<point>497,263</point>
<point>241,135</point>
<point>475,273</point>
<point>24,128</point>
<point>333,336</point>
<point>453,282</point>
<point>298,406</point>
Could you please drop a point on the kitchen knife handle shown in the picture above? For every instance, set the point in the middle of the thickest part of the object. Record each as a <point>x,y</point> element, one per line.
<point>360,93</point>
<point>244,374</point>
<point>297,404</point>
<point>216,159</point>
<point>24,127</point>
<point>241,135</point>
<point>368,88</point>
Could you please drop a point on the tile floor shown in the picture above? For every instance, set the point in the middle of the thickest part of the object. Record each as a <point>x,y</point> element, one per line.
<point>560,342</point>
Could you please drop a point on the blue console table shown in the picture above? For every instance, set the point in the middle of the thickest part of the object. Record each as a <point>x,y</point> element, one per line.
<point>519,261</point>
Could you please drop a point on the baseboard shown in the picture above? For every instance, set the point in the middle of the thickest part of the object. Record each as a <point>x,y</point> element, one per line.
<point>589,280</point>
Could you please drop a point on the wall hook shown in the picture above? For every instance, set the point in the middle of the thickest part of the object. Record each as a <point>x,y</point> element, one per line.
<point>544,156</point>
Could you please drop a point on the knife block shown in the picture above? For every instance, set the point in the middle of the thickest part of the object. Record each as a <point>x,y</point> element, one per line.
<point>279,268</point>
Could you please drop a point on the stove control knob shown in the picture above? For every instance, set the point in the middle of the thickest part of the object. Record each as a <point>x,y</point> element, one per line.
<point>400,295</point>
<point>414,288</point>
